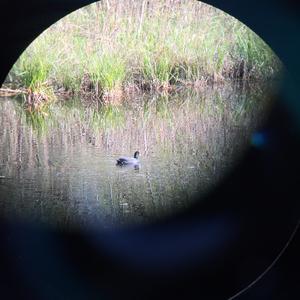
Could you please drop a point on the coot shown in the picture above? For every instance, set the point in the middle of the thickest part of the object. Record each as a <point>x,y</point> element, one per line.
<point>129,160</point>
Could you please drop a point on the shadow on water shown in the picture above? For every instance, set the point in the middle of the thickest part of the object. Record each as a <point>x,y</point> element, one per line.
<point>60,167</point>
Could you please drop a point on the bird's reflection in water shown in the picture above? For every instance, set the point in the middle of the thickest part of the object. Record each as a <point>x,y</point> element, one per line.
<point>136,167</point>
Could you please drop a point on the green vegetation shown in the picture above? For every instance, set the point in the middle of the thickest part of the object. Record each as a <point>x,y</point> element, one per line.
<point>142,45</point>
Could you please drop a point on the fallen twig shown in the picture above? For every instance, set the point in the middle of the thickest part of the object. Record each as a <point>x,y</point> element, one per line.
<point>6,92</point>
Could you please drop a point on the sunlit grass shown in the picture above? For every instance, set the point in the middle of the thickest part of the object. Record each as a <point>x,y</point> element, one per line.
<point>107,70</point>
<point>147,44</point>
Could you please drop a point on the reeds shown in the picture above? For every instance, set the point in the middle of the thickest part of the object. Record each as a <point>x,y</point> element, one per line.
<point>143,45</point>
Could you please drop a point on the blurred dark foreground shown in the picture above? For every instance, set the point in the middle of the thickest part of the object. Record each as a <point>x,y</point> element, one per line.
<point>212,251</point>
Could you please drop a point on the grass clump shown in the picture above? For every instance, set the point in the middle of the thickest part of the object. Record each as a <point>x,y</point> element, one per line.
<point>157,69</point>
<point>146,45</point>
<point>32,72</point>
<point>254,58</point>
<point>107,71</point>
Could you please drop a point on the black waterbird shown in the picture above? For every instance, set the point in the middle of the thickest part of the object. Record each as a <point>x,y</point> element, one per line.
<point>122,161</point>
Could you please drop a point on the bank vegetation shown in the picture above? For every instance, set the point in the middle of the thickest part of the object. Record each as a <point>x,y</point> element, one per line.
<point>112,48</point>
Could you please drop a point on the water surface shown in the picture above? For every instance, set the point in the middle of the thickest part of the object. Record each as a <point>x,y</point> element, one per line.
<point>59,167</point>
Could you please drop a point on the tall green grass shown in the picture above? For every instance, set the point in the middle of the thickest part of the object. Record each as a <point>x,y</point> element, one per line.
<point>157,43</point>
<point>107,70</point>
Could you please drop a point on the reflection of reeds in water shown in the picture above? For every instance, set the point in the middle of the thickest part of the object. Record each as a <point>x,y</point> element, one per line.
<point>146,123</point>
<point>192,135</point>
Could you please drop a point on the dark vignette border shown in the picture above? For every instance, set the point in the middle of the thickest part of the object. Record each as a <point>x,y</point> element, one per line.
<point>38,263</point>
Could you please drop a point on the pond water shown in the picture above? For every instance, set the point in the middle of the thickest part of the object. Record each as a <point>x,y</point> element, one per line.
<point>60,167</point>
